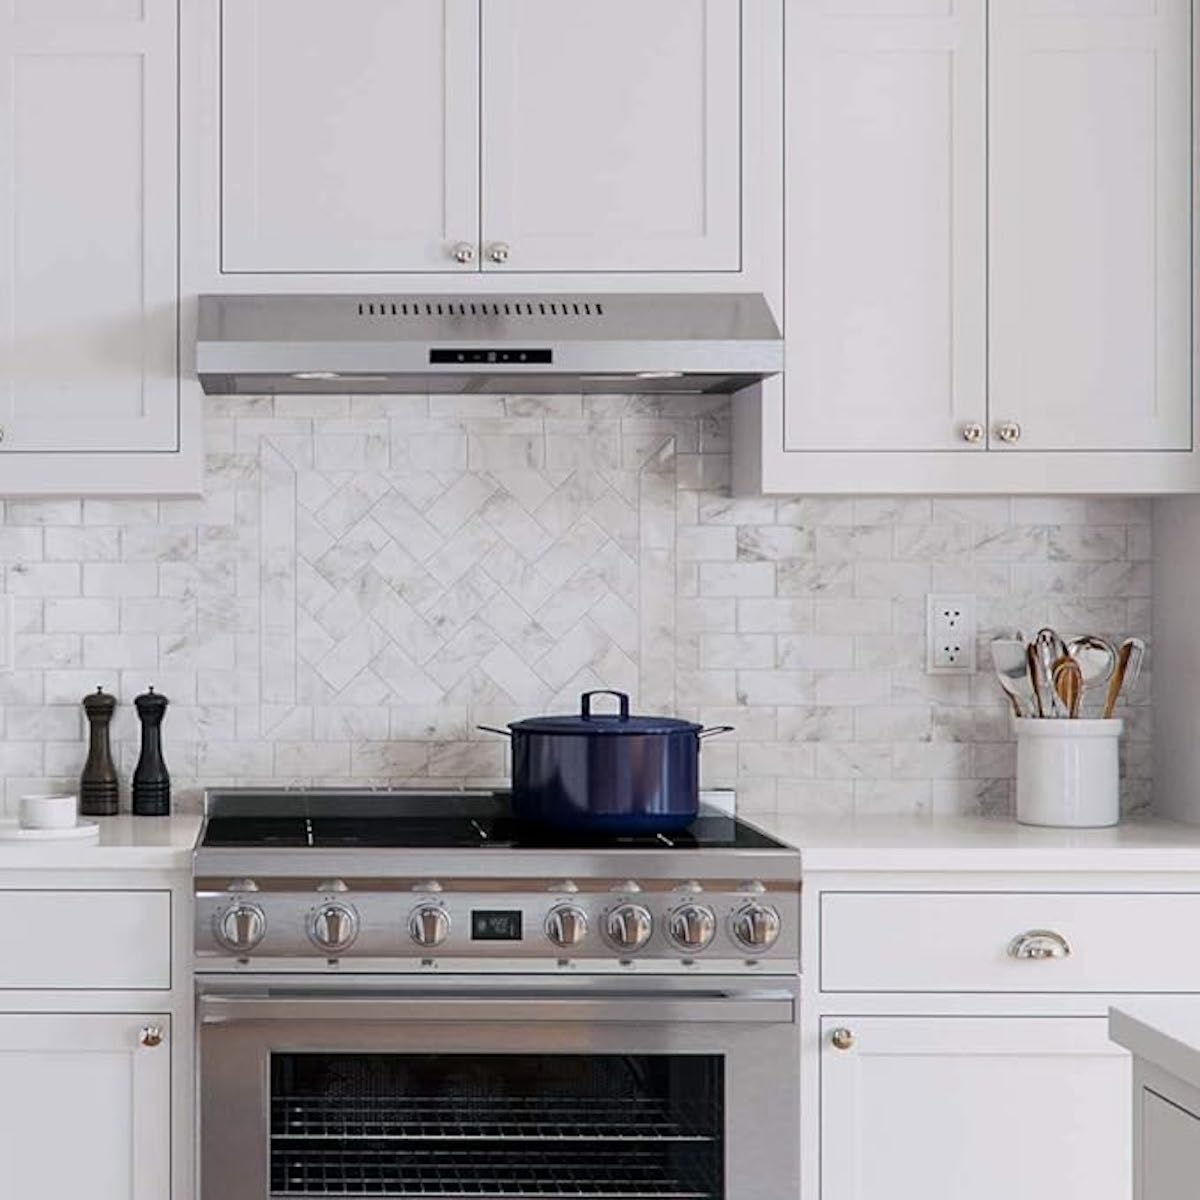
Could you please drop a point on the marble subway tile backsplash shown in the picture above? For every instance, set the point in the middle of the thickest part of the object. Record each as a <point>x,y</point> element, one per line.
<point>368,579</point>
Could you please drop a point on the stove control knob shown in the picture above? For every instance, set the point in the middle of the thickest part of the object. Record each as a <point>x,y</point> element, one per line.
<point>566,925</point>
<point>629,926</point>
<point>333,928</point>
<point>241,927</point>
<point>692,927</point>
<point>429,925</point>
<point>756,926</point>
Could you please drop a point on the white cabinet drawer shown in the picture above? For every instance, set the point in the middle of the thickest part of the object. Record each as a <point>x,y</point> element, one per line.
<point>88,940</point>
<point>965,942</point>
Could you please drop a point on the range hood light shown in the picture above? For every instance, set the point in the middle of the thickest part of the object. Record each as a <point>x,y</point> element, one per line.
<point>317,376</point>
<point>659,375</point>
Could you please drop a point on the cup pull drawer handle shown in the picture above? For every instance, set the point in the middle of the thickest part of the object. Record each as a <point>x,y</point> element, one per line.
<point>1039,944</point>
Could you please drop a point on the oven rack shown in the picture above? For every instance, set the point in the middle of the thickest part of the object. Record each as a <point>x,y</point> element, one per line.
<point>491,1119</point>
<point>491,1174</point>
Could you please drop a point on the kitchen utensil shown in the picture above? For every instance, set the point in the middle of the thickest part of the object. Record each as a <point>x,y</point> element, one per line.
<point>98,791</point>
<point>151,780</point>
<point>1068,684</point>
<point>1129,666</point>
<point>81,831</point>
<point>1067,773</point>
<point>1033,664</point>
<point>609,773</point>
<point>1096,656</point>
<point>1012,670</point>
<point>1050,648</point>
<point>48,812</point>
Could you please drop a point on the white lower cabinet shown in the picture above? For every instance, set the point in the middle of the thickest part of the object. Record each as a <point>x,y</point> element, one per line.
<point>85,1107</point>
<point>991,1108</point>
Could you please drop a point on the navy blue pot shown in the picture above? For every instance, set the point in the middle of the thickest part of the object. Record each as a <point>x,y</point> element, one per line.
<point>607,774</point>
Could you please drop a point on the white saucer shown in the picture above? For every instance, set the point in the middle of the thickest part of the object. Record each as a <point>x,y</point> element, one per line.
<point>83,831</point>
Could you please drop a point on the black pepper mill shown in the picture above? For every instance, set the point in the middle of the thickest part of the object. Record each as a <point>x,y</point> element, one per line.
<point>98,792</point>
<point>151,782</point>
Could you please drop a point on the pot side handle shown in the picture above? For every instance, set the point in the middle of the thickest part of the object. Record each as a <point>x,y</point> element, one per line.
<point>585,703</point>
<point>715,730</point>
<point>492,729</point>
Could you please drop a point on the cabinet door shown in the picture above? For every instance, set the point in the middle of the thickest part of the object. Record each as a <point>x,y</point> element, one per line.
<point>1091,206</point>
<point>85,1110</point>
<point>612,135</point>
<point>1168,1159</point>
<point>886,225</point>
<point>349,135</point>
<point>88,310</point>
<point>948,1107</point>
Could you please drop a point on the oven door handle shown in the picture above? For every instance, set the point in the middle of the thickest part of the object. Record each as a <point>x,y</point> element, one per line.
<point>742,1008</point>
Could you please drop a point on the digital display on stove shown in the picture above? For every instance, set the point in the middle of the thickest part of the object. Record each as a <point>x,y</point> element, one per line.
<point>495,925</point>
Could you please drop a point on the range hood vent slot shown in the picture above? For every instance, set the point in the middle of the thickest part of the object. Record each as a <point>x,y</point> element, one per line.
<point>480,308</point>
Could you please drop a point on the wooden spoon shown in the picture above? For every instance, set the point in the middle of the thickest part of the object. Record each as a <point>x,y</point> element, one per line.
<point>1068,684</point>
<point>1129,666</point>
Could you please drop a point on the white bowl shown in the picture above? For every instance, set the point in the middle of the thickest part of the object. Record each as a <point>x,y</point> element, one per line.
<point>49,812</point>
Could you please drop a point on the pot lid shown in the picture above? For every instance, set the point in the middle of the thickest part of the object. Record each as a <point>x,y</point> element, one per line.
<point>618,723</point>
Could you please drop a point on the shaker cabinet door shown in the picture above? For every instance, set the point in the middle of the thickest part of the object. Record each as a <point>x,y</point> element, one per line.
<point>1091,203</point>
<point>88,232</point>
<point>944,1108</point>
<point>612,135</point>
<point>349,135</point>
<point>85,1107</point>
<point>886,226</point>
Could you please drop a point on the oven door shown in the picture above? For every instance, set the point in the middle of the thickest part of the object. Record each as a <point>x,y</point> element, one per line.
<point>681,1089</point>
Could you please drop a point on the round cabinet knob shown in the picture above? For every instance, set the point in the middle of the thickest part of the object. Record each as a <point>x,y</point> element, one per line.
<point>429,925</point>
<point>756,927</point>
<point>629,926</point>
<point>841,1039</point>
<point>333,928</point>
<point>151,1036</point>
<point>464,253</point>
<point>972,433</point>
<point>499,252</point>
<point>241,928</point>
<point>566,925</point>
<point>692,927</point>
<point>1008,432</point>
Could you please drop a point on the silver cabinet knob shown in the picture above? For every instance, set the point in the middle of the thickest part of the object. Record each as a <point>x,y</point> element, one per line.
<point>841,1039</point>
<point>429,925</point>
<point>241,927</point>
<point>333,928</point>
<point>499,252</point>
<point>1008,432</point>
<point>464,253</point>
<point>1039,944</point>
<point>629,926</point>
<point>2,433</point>
<point>151,1036</point>
<point>692,927</point>
<point>972,433</point>
<point>756,926</point>
<point>566,925</point>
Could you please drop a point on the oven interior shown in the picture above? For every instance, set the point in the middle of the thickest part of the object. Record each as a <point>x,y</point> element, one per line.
<point>588,1126</point>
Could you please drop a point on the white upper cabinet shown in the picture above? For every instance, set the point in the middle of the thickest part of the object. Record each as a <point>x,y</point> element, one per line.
<point>612,135</point>
<point>88,241</point>
<point>1091,200</point>
<point>349,135</point>
<point>886,233</point>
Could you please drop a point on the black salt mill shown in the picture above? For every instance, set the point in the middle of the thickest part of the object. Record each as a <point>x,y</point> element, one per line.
<point>151,783</point>
<point>98,793</point>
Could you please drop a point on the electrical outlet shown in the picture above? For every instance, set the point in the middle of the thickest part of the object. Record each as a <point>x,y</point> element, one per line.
<point>950,635</point>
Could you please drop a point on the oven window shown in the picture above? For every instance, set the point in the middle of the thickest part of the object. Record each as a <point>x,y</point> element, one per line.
<point>592,1127</point>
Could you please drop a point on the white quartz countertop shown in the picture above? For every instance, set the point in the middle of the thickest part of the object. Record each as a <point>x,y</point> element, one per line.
<point>1163,1032</point>
<point>126,842</point>
<point>901,843</point>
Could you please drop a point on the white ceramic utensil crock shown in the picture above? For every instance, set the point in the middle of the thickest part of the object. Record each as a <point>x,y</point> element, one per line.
<point>1068,772</point>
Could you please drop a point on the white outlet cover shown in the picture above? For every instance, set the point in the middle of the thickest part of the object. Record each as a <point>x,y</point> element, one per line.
<point>950,635</point>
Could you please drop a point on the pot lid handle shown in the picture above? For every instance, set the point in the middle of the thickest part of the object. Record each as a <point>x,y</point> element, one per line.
<point>585,703</point>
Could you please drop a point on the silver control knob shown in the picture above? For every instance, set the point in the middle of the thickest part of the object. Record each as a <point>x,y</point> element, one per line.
<point>692,927</point>
<point>566,925</point>
<point>628,926</point>
<point>241,927</point>
<point>429,925</point>
<point>333,928</point>
<point>756,926</point>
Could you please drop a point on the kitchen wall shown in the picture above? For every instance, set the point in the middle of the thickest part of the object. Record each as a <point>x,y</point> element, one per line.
<point>366,579</point>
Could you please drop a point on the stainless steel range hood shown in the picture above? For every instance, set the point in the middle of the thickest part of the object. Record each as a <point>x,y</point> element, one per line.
<point>528,344</point>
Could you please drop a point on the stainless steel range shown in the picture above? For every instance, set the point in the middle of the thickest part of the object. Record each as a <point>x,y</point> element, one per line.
<point>407,995</point>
